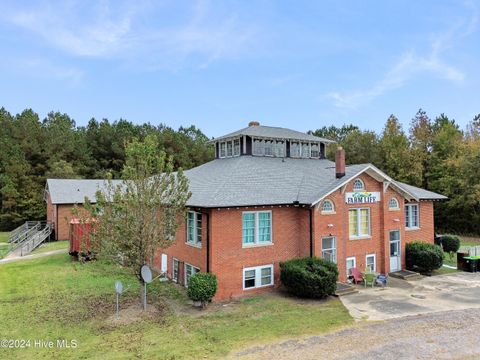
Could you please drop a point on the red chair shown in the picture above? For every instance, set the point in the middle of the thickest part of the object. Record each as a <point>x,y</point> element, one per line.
<point>357,276</point>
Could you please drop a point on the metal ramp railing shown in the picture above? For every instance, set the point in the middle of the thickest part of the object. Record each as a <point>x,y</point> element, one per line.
<point>33,234</point>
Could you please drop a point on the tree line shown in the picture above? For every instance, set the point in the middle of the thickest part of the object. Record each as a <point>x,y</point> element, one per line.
<point>436,155</point>
<point>33,150</point>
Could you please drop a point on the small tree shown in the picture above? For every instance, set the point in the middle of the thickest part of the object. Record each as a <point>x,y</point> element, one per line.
<point>140,214</point>
<point>202,287</point>
<point>450,244</point>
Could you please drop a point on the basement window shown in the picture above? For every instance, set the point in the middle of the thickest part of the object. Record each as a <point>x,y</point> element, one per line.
<point>190,270</point>
<point>258,276</point>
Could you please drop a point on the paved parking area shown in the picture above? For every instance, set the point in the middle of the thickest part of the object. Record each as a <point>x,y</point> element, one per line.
<point>455,291</point>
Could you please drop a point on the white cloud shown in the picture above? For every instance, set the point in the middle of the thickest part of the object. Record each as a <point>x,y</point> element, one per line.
<point>411,65</point>
<point>129,31</point>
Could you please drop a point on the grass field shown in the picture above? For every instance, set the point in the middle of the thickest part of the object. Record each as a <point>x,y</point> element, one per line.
<point>51,246</point>
<point>53,297</point>
<point>3,243</point>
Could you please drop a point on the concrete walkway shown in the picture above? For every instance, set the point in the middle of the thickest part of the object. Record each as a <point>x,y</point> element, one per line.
<point>402,298</point>
<point>33,256</point>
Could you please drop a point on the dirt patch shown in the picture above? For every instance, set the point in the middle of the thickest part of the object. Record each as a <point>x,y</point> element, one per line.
<point>134,313</point>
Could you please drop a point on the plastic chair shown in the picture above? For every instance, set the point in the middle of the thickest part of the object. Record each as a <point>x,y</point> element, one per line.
<point>357,276</point>
<point>369,279</point>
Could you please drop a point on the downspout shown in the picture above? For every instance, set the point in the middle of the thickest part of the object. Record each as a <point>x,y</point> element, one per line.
<point>208,241</point>
<point>310,213</point>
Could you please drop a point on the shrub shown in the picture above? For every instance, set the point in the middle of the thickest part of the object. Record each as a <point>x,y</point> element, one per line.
<point>202,287</point>
<point>450,243</point>
<point>309,277</point>
<point>423,257</point>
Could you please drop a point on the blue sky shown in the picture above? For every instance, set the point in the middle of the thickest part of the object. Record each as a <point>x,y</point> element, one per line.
<point>218,65</point>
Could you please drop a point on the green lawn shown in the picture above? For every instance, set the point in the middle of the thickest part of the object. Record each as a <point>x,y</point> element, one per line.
<point>53,297</point>
<point>3,243</point>
<point>51,246</point>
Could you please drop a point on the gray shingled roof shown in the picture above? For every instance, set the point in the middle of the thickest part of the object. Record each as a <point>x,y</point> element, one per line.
<point>246,181</point>
<point>420,193</point>
<point>74,191</point>
<point>274,132</point>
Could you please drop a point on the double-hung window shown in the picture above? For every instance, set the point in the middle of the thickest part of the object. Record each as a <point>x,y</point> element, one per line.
<point>329,250</point>
<point>411,216</point>
<point>257,228</point>
<point>258,276</point>
<point>190,270</point>
<point>370,263</point>
<point>359,223</point>
<point>194,228</point>
<point>229,148</point>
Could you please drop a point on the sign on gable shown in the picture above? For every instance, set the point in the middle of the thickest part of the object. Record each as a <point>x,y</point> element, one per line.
<point>362,197</point>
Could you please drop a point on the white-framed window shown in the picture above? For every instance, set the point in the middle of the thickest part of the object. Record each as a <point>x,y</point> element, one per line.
<point>305,150</point>
<point>351,262</point>
<point>359,223</point>
<point>358,185</point>
<point>229,148</point>
<point>236,147</point>
<point>194,228</point>
<point>190,270</point>
<point>256,227</point>
<point>223,149</point>
<point>315,151</point>
<point>329,249</point>
<point>295,149</point>
<point>175,266</point>
<point>411,216</point>
<point>393,204</point>
<point>327,206</point>
<point>258,276</point>
<point>370,263</point>
<point>268,148</point>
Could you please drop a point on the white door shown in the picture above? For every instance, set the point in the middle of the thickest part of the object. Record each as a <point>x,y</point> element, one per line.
<point>163,265</point>
<point>395,258</point>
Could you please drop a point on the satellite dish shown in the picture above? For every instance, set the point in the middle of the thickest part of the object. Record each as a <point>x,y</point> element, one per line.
<point>118,287</point>
<point>146,274</point>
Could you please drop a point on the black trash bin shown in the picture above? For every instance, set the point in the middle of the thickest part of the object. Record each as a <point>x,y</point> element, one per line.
<point>470,264</point>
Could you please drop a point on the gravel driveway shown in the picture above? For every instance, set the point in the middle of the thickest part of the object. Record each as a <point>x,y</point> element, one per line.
<point>440,335</point>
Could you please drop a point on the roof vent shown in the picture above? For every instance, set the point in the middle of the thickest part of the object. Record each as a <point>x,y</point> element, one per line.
<point>253,123</point>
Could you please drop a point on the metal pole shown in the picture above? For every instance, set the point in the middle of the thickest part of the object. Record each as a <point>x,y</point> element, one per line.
<point>145,297</point>
<point>117,305</point>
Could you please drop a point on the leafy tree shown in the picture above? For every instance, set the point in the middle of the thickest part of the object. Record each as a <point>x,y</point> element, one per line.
<point>142,214</point>
<point>395,152</point>
<point>421,144</point>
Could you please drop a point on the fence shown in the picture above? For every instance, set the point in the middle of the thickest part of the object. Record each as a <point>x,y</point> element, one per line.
<point>471,250</point>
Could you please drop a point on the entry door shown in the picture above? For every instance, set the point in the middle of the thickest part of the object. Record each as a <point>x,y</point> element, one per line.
<point>395,258</point>
<point>163,265</point>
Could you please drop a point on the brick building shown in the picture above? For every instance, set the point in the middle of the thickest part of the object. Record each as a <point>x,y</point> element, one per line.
<point>270,195</point>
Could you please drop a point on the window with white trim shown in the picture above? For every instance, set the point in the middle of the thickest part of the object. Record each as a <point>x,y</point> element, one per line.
<point>268,148</point>
<point>393,204</point>
<point>175,266</point>
<point>256,227</point>
<point>194,228</point>
<point>327,206</point>
<point>190,270</point>
<point>351,262</point>
<point>370,263</point>
<point>295,149</point>
<point>315,151</point>
<point>359,223</point>
<point>259,276</point>
<point>329,249</point>
<point>411,216</point>
<point>229,148</point>
<point>358,185</point>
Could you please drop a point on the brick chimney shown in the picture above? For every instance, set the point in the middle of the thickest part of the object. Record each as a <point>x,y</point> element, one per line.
<point>340,163</point>
<point>253,123</point>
